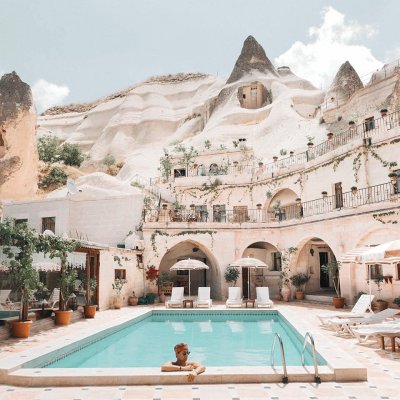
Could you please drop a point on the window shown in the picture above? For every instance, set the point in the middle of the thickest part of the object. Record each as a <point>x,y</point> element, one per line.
<point>369,124</point>
<point>179,172</point>
<point>120,274</point>
<point>376,270</point>
<point>244,96</point>
<point>182,272</point>
<point>219,213</point>
<point>49,223</point>
<point>20,221</point>
<point>398,271</point>
<point>276,261</point>
<point>240,214</point>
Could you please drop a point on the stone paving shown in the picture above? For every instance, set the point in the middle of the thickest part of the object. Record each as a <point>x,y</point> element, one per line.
<point>383,372</point>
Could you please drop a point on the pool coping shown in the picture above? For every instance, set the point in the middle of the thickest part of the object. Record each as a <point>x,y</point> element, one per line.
<point>341,366</point>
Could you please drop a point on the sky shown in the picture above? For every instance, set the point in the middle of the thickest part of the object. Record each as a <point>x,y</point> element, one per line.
<point>76,51</point>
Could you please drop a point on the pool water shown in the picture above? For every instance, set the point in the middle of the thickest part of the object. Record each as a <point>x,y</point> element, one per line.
<point>222,339</point>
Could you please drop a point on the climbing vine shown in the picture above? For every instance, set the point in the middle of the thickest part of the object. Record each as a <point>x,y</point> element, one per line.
<point>357,166</point>
<point>386,217</point>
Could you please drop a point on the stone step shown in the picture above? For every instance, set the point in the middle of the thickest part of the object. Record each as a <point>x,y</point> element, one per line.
<point>318,298</point>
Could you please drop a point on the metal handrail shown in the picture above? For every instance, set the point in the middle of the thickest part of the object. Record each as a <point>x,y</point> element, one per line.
<point>285,378</point>
<point>317,378</point>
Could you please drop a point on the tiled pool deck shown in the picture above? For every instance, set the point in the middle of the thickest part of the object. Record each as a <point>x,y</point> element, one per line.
<point>383,369</point>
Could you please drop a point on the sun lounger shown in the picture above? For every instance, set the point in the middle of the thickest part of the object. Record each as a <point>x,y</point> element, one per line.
<point>363,333</point>
<point>343,325</point>
<point>5,299</point>
<point>234,297</point>
<point>176,297</point>
<point>263,299</point>
<point>203,298</point>
<point>54,298</point>
<point>359,310</point>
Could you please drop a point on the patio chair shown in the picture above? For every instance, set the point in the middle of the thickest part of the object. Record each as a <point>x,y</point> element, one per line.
<point>54,298</point>
<point>176,297</point>
<point>359,310</point>
<point>263,299</point>
<point>364,333</point>
<point>5,299</point>
<point>203,297</point>
<point>343,325</point>
<point>234,297</point>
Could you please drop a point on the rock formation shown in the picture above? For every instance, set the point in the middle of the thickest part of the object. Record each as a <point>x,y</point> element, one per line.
<point>18,155</point>
<point>251,58</point>
<point>345,83</point>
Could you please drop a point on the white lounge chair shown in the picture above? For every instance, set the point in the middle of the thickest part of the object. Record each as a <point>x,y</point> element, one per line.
<point>359,310</point>
<point>263,299</point>
<point>176,299</point>
<point>363,333</point>
<point>203,297</point>
<point>54,298</point>
<point>343,325</point>
<point>5,301</point>
<point>234,297</point>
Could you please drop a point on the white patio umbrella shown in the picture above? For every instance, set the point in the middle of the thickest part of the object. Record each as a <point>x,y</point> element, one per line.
<point>248,263</point>
<point>189,265</point>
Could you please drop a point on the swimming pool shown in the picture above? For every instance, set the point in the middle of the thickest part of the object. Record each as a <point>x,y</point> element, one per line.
<point>216,339</point>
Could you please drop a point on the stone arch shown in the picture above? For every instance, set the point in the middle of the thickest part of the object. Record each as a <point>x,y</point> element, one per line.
<point>264,251</point>
<point>282,204</point>
<point>313,252</point>
<point>378,236</point>
<point>196,250</point>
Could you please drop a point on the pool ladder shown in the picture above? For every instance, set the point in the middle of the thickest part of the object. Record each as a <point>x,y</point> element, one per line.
<point>285,378</point>
<point>308,335</point>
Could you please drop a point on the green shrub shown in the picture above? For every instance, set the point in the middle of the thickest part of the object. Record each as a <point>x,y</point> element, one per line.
<point>109,160</point>
<point>56,176</point>
<point>47,147</point>
<point>71,154</point>
<point>231,275</point>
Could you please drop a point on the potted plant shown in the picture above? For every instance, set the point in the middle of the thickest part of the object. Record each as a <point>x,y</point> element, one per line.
<point>90,308</point>
<point>298,281</point>
<point>351,124</point>
<point>384,112</point>
<point>354,190</point>
<point>132,299</point>
<point>259,206</point>
<point>379,304</point>
<point>117,287</point>
<point>324,194</point>
<point>231,275</point>
<point>23,276</point>
<point>284,285</point>
<point>396,301</point>
<point>333,269</point>
<point>161,280</point>
<point>152,274</point>
<point>393,177</point>
<point>329,135</point>
<point>66,283</point>
<point>275,158</point>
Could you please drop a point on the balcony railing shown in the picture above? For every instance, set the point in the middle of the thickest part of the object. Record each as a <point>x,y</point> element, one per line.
<point>365,130</point>
<point>339,201</point>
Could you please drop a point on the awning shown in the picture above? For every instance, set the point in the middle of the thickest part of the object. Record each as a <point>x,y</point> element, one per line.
<point>386,253</point>
<point>354,255</point>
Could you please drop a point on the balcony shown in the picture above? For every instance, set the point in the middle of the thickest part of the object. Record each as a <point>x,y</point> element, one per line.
<point>341,201</point>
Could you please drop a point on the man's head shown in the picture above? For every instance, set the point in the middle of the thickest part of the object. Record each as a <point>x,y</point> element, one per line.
<point>182,351</point>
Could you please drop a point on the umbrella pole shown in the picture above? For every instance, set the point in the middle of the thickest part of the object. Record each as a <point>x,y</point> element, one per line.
<point>248,282</point>
<point>189,283</point>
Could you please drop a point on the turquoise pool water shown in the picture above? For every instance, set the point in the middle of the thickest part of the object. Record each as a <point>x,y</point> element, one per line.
<point>215,339</point>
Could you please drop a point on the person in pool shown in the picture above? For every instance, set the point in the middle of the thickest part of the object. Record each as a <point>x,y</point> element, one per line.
<point>182,364</point>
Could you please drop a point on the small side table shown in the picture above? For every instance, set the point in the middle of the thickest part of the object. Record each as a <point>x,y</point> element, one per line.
<point>392,337</point>
<point>249,301</point>
<point>187,303</point>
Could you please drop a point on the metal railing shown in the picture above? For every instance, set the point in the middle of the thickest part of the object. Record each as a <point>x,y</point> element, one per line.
<point>341,200</point>
<point>308,335</point>
<point>365,131</point>
<point>285,378</point>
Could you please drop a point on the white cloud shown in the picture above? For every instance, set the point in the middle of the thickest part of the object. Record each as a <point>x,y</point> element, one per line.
<point>331,44</point>
<point>47,94</point>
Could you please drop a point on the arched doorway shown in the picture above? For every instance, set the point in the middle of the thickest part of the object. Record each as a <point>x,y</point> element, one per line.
<point>199,278</point>
<point>269,254</point>
<point>284,205</point>
<point>312,254</point>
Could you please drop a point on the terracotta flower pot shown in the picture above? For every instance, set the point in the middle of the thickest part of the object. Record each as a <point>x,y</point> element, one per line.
<point>338,302</point>
<point>118,301</point>
<point>132,300</point>
<point>20,329</point>
<point>90,311</point>
<point>299,295</point>
<point>62,317</point>
<point>285,292</point>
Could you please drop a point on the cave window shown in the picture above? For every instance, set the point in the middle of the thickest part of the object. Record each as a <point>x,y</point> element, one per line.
<point>1,140</point>
<point>244,96</point>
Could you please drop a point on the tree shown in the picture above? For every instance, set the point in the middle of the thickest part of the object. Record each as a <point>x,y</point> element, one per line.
<point>71,154</point>
<point>231,275</point>
<point>48,148</point>
<point>19,244</point>
<point>56,246</point>
<point>187,156</point>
